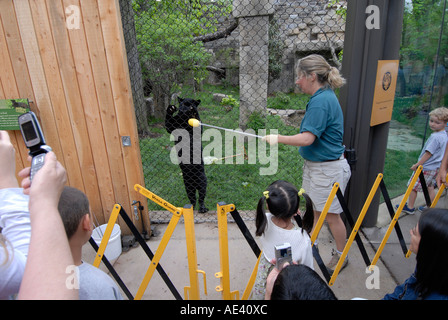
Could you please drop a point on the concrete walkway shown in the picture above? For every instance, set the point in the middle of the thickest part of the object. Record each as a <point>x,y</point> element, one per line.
<point>394,268</point>
<point>352,282</point>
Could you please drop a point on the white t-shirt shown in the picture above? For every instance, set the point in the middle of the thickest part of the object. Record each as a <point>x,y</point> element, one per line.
<point>95,284</point>
<point>435,145</point>
<point>16,233</point>
<point>298,238</point>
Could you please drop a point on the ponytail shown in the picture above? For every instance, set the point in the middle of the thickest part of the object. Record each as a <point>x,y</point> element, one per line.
<point>283,201</point>
<point>334,79</point>
<point>260,219</point>
<point>325,73</point>
<point>308,216</point>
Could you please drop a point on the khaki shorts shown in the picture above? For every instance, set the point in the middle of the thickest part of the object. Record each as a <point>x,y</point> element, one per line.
<point>318,180</point>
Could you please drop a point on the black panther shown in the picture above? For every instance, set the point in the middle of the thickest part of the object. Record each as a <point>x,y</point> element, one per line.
<point>191,163</point>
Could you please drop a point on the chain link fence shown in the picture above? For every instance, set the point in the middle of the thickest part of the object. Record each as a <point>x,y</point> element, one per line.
<point>228,64</point>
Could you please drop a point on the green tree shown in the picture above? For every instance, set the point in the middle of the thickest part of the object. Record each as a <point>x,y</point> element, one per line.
<point>168,48</point>
<point>421,31</point>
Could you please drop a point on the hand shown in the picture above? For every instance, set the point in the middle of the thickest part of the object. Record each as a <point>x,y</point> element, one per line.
<point>414,167</point>
<point>272,277</point>
<point>47,183</point>
<point>441,178</point>
<point>7,162</point>
<point>272,139</point>
<point>270,282</point>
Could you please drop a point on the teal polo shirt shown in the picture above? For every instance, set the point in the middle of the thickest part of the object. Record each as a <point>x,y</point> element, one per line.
<point>324,119</point>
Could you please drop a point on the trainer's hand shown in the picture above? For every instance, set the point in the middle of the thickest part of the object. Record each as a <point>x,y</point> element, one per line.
<point>272,139</point>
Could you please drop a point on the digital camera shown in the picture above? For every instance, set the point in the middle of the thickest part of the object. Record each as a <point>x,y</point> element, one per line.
<point>283,255</point>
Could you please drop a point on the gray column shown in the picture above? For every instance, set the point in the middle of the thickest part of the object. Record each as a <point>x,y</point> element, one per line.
<point>253,28</point>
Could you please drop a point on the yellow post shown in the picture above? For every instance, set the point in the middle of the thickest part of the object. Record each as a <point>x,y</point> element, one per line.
<point>105,240</point>
<point>324,212</point>
<point>223,275</point>
<point>439,194</point>
<point>356,228</point>
<point>177,212</point>
<point>155,198</point>
<point>433,204</point>
<point>192,292</point>
<point>155,260</point>
<point>251,282</point>
<point>395,218</point>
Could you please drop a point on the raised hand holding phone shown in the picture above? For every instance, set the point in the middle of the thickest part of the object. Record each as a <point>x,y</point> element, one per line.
<point>34,140</point>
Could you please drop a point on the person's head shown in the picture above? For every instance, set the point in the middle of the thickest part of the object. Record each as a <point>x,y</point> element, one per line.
<point>300,282</point>
<point>438,119</point>
<point>314,68</point>
<point>283,200</point>
<point>431,239</point>
<point>75,213</point>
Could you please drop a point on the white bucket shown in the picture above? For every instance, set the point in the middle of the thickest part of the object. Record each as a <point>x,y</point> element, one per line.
<point>113,248</point>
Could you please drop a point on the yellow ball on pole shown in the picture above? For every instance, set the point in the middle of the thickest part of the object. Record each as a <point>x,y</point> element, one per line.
<point>194,122</point>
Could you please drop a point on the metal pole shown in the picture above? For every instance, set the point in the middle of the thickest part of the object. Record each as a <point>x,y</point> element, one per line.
<point>363,47</point>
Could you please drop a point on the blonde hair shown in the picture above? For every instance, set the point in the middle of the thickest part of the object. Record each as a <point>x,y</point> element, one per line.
<point>440,113</point>
<point>325,73</point>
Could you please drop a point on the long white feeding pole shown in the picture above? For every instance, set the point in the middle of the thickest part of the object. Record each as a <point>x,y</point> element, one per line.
<point>196,123</point>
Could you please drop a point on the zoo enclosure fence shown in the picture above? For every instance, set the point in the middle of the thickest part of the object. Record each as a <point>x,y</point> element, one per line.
<point>212,51</point>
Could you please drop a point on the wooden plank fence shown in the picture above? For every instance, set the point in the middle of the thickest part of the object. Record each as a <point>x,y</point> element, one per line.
<point>68,57</point>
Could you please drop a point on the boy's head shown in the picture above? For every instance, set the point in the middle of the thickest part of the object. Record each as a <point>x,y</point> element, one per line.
<point>440,113</point>
<point>74,209</point>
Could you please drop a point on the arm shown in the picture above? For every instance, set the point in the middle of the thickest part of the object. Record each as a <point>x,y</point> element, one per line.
<point>14,222</point>
<point>49,252</point>
<point>422,160</point>
<point>298,140</point>
<point>169,118</point>
<point>270,282</point>
<point>8,162</point>
<point>441,176</point>
<point>404,291</point>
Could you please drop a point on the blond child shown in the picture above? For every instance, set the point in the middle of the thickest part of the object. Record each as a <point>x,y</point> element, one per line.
<point>430,157</point>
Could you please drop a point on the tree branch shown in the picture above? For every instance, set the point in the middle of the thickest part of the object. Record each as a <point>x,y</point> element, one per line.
<point>219,34</point>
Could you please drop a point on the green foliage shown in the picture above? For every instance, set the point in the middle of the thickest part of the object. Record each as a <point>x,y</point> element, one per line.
<point>340,9</point>
<point>276,48</point>
<point>421,31</point>
<point>239,184</point>
<point>281,100</point>
<point>168,52</point>
<point>165,30</point>
<point>283,97</point>
<point>230,101</point>
<point>256,121</point>
<point>397,170</point>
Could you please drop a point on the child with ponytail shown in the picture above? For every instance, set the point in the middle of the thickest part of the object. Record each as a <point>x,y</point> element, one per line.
<point>279,221</point>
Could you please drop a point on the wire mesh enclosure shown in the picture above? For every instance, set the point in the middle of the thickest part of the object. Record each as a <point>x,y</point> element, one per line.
<point>229,65</point>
